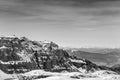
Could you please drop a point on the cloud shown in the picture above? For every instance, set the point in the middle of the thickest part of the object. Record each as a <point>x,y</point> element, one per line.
<point>34,7</point>
<point>88,22</point>
<point>87,13</point>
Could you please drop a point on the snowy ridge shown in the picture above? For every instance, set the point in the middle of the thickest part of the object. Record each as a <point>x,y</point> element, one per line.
<point>44,60</point>
<point>43,75</point>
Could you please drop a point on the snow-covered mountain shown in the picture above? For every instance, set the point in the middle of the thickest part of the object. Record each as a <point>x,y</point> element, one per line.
<point>23,56</point>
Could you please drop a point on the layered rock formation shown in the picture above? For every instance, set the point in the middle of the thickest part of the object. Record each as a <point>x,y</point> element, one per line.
<point>19,55</point>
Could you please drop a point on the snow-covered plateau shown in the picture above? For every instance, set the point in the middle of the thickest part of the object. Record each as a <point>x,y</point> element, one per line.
<point>44,75</point>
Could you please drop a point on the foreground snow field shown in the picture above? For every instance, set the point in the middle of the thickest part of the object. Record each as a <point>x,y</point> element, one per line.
<point>43,75</point>
<point>98,75</point>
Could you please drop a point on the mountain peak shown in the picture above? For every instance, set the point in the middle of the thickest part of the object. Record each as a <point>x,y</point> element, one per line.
<point>21,55</point>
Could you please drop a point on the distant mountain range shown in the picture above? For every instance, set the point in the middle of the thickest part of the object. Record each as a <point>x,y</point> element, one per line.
<point>94,50</point>
<point>100,56</point>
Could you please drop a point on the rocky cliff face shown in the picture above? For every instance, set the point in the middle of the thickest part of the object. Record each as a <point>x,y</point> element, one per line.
<point>19,55</point>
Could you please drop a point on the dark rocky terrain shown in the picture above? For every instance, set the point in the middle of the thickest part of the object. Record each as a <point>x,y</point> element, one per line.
<point>116,68</point>
<point>19,55</point>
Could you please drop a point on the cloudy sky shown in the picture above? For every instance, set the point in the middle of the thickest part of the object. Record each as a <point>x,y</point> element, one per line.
<point>70,23</point>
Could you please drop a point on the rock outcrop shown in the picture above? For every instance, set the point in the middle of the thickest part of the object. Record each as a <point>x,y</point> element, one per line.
<point>19,55</point>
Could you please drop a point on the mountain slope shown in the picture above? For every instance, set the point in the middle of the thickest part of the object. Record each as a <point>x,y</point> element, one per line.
<point>43,75</point>
<point>22,55</point>
<point>44,60</point>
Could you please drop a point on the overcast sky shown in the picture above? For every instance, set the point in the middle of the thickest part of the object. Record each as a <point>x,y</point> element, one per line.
<point>70,23</point>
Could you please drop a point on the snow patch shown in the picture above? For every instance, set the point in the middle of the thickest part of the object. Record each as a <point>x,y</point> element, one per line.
<point>98,75</point>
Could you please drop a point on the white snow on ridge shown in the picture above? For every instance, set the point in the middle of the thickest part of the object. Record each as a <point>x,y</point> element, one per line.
<point>98,75</point>
<point>4,76</point>
<point>77,61</point>
<point>3,47</point>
